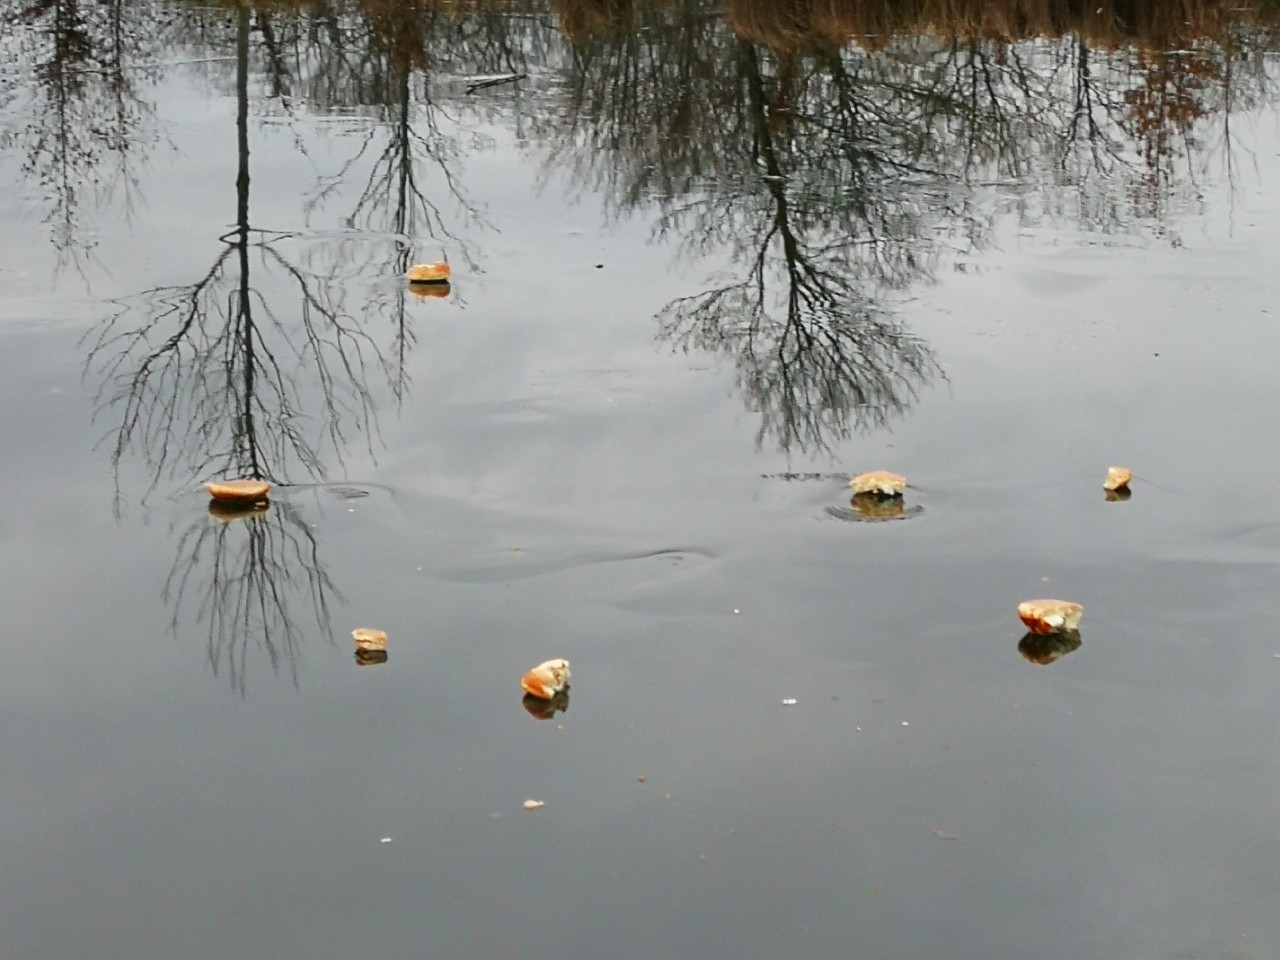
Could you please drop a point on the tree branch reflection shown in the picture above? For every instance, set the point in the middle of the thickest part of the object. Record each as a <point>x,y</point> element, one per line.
<point>243,581</point>
<point>255,369</point>
<point>77,116</point>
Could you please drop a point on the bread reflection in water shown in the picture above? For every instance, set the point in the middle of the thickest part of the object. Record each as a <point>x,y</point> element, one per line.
<point>873,506</point>
<point>1046,648</point>
<point>430,290</point>
<point>369,658</point>
<point>228,511</point>
<point>542,709</point>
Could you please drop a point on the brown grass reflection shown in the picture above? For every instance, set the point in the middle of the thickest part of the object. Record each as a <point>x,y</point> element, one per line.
<point>1146,24</point>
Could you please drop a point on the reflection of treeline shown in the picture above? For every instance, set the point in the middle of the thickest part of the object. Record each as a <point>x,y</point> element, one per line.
<point>792,24</point>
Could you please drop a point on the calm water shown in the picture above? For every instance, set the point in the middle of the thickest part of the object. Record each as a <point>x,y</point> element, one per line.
<point>704,271</point>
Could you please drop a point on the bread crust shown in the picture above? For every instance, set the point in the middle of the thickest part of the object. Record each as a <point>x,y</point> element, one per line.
<point>1118,478</point>
<point>238,491</point>
<point>428,273</point>
<point>879,482</point>
<point>1050,616</point>
<point>367,638</point>
<point>546,679</point>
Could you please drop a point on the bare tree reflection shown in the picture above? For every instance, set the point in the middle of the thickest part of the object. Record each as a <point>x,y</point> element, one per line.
<point>839,153</point>
<point>793,170</point>
<point>821,357</point>
<point>77,115</point>
<point>243,577</point>
<point>214,378</point>
<point>410,201</point>
<point>258,370</point>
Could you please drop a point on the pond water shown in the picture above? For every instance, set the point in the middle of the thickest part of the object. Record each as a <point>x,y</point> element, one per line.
<point>707,263</point>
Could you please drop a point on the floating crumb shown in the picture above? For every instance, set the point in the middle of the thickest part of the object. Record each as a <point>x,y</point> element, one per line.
<point>789,702</point>
<point>640,779</point>
<point>905,724</point>
<point>534,804</point>
<point>386,839</point>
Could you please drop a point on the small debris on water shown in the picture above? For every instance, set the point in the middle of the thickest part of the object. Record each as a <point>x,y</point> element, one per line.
<point>386,839</point>
<point>789,702</point>
<point>736,610</point>
<point>944,834</point>
<point>640,779</point>
<point>905,724</point>
<point>534,804</point>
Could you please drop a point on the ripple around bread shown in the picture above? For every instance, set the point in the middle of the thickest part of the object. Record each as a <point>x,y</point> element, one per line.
<point>522,565</point>
<point>849,515</point>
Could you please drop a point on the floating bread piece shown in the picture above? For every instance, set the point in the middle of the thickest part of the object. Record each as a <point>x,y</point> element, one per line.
<point>428,273</point>
<point>880,482</point>
<point>546,679</point>
<point>1117,478</point>
<point>437,288</point>
<point>1050,616</point>
<point>533,804</point>
<point>367,638</point>
<point>240,491</point>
